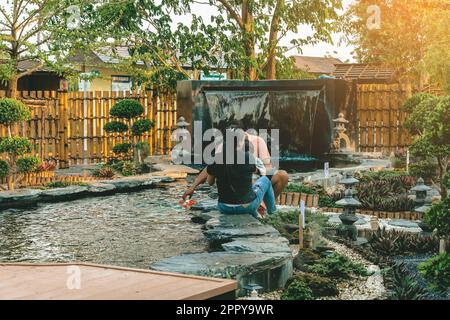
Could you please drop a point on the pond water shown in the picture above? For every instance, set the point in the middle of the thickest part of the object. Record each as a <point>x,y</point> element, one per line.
<point>128,229</point>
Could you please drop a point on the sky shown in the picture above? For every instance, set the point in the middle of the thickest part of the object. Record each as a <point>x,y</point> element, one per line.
<point>343,52</point>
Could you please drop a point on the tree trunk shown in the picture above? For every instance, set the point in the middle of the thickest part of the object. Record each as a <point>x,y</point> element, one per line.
<point>442,164</point>
<point>273,41</point>
<point>249,41</point>
<point>12,88</point>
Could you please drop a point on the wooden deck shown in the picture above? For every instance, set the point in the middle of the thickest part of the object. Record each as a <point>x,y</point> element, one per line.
<point>60,282</point>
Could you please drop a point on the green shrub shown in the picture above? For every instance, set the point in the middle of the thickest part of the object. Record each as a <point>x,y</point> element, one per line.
<point>12,111</point>
<point>127,109</point>
<point>115,126</point>
<point>338,266</point>
<point>300,188</point>
<point>446,179</point>
<point>402,285</point>
<point>438,217</point>
<point>320,286</point>
<point>15,145</point>
<point>4,169</point>
<point>141,126</point>
<point>437,271</point>
<point>121,148</point>
<point>103,171</point>
<point>128,168</point>
<point>424,169</point>
<point>297,290</point>
<point>28,164</point>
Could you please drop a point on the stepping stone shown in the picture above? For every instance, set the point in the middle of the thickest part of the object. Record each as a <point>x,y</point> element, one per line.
<point>258,244</point>
<point>207,205</point>
<point>221,235</point>
<point>232,221</point>
<point>403,224</point>
<point>271,271</point>
<point>203,216</point>
<point>101,187</point>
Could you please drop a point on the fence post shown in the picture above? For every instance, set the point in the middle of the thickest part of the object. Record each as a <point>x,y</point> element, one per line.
<point>62,129</point>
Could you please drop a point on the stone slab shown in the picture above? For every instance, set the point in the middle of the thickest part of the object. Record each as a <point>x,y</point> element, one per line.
<point>258,244</point>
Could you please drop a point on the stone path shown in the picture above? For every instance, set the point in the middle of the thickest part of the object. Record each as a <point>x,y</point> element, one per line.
<point>243,249</point>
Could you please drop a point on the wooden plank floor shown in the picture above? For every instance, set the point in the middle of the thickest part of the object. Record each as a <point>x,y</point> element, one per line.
<point>60,281</point>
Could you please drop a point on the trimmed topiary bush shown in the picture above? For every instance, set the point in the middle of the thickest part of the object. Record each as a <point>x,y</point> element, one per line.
<point>15,146</point>
<point>438,217</point>
<point>122,148</point>
<point>139,127</point>
<point>12,111</point>
<point>28,164</point>
<point>319,286</point>
<point>338,266</point>
<point>127,109</point>
<point>115,126</point>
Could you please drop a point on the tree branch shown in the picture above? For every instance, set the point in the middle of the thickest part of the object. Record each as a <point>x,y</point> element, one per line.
<point>233,13</point>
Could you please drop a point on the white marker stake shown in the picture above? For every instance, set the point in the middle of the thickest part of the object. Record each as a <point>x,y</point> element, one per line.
<point>326,172</point>
<point>407,161</point>
<point>302,211</point>
<point>301,224</point>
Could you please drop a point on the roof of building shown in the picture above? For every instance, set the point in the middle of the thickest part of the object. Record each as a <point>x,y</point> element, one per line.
<point>323,65</point>
<point>363,72</point>
<point>29,64</point>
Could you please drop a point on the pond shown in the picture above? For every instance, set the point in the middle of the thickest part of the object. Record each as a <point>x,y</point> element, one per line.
<point>127,229</point>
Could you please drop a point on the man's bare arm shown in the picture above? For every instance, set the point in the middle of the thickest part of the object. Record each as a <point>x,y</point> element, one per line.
<point>200,179</point>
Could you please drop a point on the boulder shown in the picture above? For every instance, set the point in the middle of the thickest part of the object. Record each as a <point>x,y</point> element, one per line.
<point>271,271</point>
<point>203,216</point>
<point>99,187</point>
<point>21,197</point>
<point>258,244</point>
<point>66,193</point>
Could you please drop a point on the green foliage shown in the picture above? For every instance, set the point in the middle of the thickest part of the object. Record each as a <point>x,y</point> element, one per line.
<point>300,188</point>
<point>4,168</point>
<point>438,217</point>
<point>127,109</point>
<point>115,126</point>
<point>437,271</point>
<point>297,290</point>
<point>327,202</point>
<point>12,111</point>
<point>283,220</point>
<point>427,121</point>
<point>141,126</point>
<point>121,148</point>
<point>338,266</point>
<point>392,243</point>
<point>446,179</point>
<point>28,164</point>
<point>64,184</point>
<point>424,169</point>
<point>403,286</point>
<point>320,286</point>
<point>16,146</point>
<point>128,168</point>
<point>385,191</point>
<point>103,171</point>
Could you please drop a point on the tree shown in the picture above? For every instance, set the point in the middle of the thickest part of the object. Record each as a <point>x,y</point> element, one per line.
<point>438,218</point>
<point>427,122</point>
<point>24,36</point>
<point>263,24</point>
<point>403,35</point>
<point>129,111</point>
<point>16,148</point>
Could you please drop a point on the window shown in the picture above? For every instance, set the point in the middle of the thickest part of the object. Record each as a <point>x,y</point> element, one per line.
<point>120,83</point>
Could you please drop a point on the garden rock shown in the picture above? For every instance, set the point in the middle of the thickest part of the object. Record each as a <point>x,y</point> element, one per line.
<point>268,270</point>
<point>63,193</point>
<point>258,244</point>
<point>24,196</point>
<point>101,187</point>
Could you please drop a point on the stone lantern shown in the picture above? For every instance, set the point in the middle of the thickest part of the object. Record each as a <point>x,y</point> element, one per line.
<point>179,135</point>
<point>349,182</point>
<point>348,217</point>
<point>421,191</point>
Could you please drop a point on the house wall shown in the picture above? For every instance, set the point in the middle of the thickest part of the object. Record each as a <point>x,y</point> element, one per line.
<point>103,83</point>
